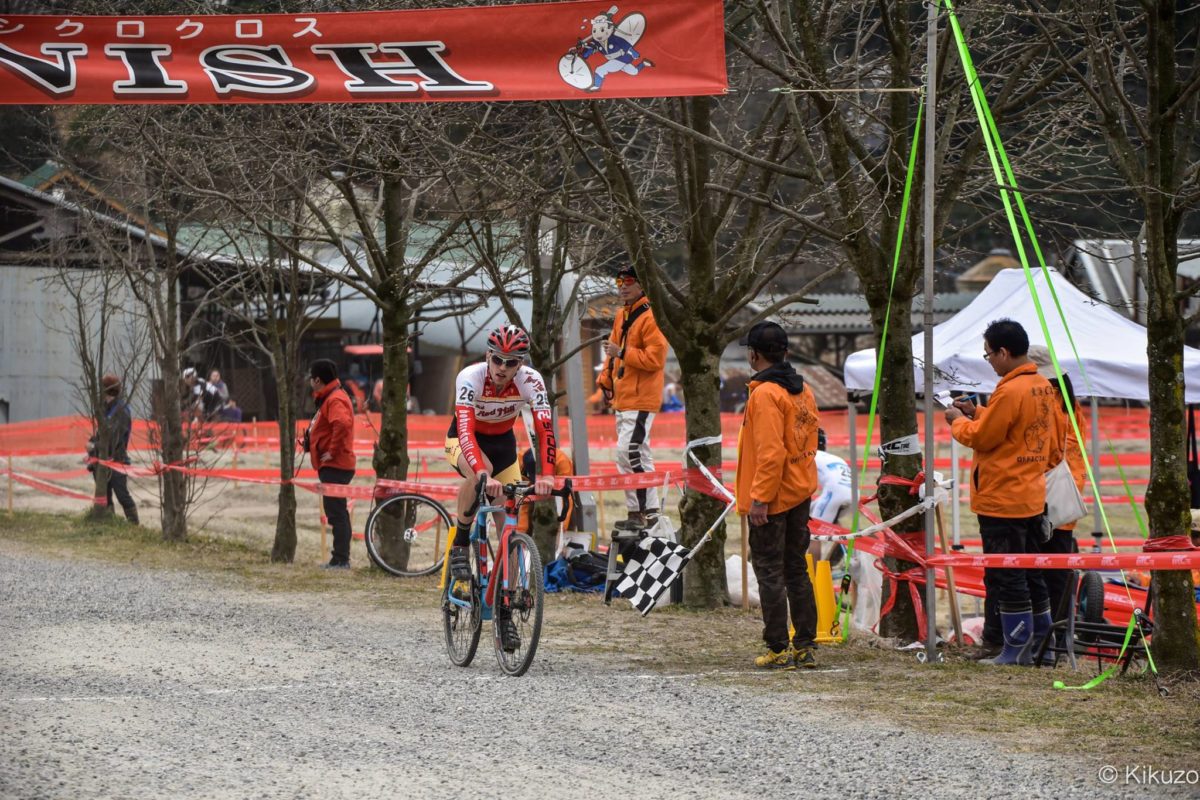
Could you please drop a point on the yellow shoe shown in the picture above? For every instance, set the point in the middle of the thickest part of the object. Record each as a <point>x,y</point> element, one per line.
<point>461,590</point>
<point>804,657</point>
<point>774,660</point>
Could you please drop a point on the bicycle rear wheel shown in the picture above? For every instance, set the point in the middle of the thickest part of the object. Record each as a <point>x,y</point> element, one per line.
<point>521,603</point>
<point>406,535</point>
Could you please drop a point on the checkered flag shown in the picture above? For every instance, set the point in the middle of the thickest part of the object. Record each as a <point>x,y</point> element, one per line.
<point>649,570</point>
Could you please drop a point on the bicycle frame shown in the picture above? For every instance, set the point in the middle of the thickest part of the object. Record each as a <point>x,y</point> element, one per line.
<point>479,539</point>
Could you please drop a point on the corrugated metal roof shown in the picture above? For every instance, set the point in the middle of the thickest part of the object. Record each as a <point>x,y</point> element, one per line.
<point>849,313</point>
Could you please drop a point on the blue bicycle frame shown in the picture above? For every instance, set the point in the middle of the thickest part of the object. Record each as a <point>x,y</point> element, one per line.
<point>479,539</point>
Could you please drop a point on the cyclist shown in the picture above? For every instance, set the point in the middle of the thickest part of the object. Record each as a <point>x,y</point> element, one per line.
<point>834,479</point>
<point>488,398</point>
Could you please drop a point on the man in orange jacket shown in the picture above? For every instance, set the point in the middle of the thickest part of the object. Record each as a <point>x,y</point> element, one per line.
<point>776,478</point>
<point>632,381</point>
<point>329,441</point>
<point>1013,439</point>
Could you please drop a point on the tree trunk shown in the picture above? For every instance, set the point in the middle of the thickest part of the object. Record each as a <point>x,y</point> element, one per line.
<point>1167,497</point>
<point>284,547</point>
<point>704,583</point>
<point>100,508</point>
<point>897,419</point>
<point>172,445</point>
<point>391,453</point>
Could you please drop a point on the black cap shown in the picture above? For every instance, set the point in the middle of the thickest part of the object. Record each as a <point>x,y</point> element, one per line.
<point>766,337</point>
<point>628,271</point>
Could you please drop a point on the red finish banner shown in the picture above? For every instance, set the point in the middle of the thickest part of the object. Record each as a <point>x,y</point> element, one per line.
<point>542,51</point>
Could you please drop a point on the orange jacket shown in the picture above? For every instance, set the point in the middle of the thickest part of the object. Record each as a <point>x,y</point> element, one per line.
<point>331,434</point>
<point>1013,438</point>
<point>777,446</point>
<point>635,375</point>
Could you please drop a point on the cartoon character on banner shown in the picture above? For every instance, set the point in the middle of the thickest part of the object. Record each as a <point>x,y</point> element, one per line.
<point>615,41</point>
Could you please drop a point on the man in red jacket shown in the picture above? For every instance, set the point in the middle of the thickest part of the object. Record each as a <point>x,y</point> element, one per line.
<point>329,441</point>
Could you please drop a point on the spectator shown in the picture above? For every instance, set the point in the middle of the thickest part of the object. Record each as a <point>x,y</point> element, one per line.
<point>192,396</point>
<point>632,381</point>
<point>230,412</point>
<point>217,388</point>
<point>834,481</point>
<point>563,465</point>
<point>329,441</point>
<point>412,404</point>
<point>112,444</point>
<point>776,478</point>
<point>1012,439</point>
<point>672,395</point>
<point>377,394</point>
<point>1065,445</point>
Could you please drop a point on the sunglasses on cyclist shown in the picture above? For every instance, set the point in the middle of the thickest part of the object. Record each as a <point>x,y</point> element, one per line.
<point>505,362</point>
<point>626,281</point>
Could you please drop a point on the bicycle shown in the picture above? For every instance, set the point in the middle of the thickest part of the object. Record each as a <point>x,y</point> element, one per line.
<point>406,534</point>
<point>506,589</point>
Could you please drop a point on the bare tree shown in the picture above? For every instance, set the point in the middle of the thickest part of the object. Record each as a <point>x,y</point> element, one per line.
<point>514,174</point>
<point>393,244</point>
<point>1137,67</point>
<point>159,269</point>
<point>680,179</point>
<point>848,71</point>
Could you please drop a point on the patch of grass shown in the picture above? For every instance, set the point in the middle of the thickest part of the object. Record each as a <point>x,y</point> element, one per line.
<point>1124,721</point>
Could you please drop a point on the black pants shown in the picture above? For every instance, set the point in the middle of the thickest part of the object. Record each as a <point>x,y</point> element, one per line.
<point>1013,590</point>
<point>1056,580</point>
<point>777,552</point>
<point>118,484</point>
<point>336,512</point>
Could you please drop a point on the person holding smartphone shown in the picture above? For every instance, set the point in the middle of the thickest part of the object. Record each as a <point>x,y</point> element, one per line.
<point>1012,439</point>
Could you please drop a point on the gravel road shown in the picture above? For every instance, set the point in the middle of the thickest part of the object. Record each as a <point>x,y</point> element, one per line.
<point>121,682</point>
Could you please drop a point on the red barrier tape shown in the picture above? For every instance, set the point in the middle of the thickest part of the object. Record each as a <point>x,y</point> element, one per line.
<point>50,488</point>
<point>1102,561</point>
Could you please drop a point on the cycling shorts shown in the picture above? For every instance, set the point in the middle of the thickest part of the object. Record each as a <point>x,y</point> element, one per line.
<point>500,451</point>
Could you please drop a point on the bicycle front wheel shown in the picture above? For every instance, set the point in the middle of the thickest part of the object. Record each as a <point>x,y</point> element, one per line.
<point>518,612</point>
<point>406,535</point>
<point>462,623</point>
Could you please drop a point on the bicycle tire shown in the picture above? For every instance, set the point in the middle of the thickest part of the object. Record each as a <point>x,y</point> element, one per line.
<point>425,526</point>
<point>463,626</point>
<point>1091,597</point>
<point>524,599</point>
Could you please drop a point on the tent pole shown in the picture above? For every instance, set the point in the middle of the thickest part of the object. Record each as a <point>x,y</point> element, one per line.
<point>851,428</point>
<point>931,132</point>
<point>955,494</point>
<point>1097,528</point>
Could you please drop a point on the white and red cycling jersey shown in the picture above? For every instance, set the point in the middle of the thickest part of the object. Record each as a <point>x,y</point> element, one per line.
<point>479,407</point>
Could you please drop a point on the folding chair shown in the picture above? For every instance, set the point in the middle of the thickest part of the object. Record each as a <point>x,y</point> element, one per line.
<point>1098,640</point>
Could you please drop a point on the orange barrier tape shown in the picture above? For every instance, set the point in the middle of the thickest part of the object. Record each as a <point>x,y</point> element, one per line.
<point>70,434</point>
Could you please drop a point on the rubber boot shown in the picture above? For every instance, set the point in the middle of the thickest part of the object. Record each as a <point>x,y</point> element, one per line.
<point>1018,630</point>
<point>1041,625</point>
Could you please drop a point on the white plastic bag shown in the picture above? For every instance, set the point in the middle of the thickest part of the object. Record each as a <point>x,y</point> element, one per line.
<point>869,592</point>
<point>733,577</point>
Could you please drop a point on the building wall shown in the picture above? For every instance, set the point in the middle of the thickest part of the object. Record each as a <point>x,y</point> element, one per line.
<point>40,369</point>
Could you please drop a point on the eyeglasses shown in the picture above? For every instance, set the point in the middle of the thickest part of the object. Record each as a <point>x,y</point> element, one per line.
<point>505,362</point>
<point>988,356</point>
<point>626,281</point>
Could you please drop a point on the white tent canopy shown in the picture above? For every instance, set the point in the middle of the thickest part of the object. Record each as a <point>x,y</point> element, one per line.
<point>1111,347</point>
